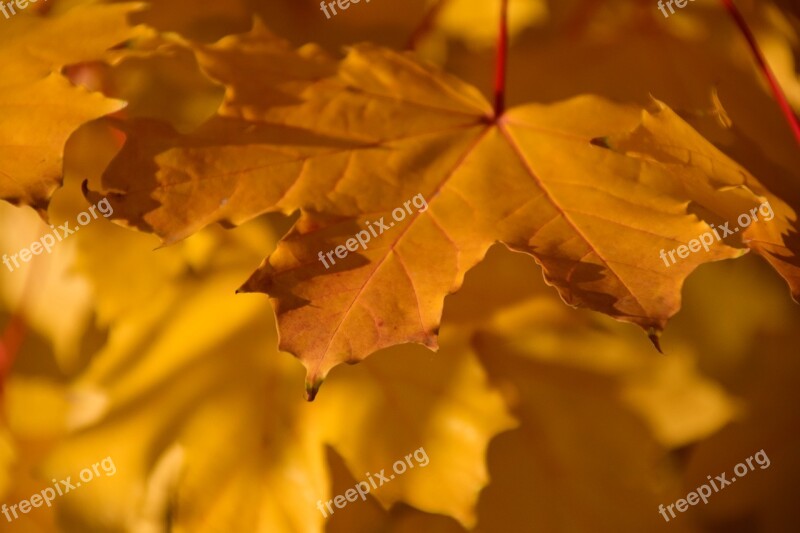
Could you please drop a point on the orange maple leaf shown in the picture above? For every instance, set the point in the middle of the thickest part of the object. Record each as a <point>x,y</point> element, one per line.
<point>348,144</point>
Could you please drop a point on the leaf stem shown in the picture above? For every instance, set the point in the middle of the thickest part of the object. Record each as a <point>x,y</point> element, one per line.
<point>777,92</point>
<point>500,67</point>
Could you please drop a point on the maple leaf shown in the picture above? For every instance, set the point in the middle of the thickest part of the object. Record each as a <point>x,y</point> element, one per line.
<point>572,412</point>
<point>62,325</point>
<point>384,128</point>
<point>40,107</point>
<point>535,331</point>
<point>276,465</point>
<point>437,413</point>
<point>754,326</point>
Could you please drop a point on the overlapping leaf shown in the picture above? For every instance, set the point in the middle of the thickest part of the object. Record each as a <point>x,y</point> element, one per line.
<point>776,239</point>
<point>576,432</point>
<point>39,107</point>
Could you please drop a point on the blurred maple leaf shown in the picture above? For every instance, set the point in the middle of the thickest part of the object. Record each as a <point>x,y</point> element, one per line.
<point>276,469</point>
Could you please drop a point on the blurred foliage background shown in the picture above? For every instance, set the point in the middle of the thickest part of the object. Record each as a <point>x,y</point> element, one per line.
<point>535,416</point>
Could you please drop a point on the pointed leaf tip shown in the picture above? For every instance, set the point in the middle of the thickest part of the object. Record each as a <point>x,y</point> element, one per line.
<point>312,388</point>
<point>654,335</point>
<point>602,142</point>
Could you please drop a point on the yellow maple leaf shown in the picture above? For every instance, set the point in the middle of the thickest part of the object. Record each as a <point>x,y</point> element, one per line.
<point>40,107</point>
